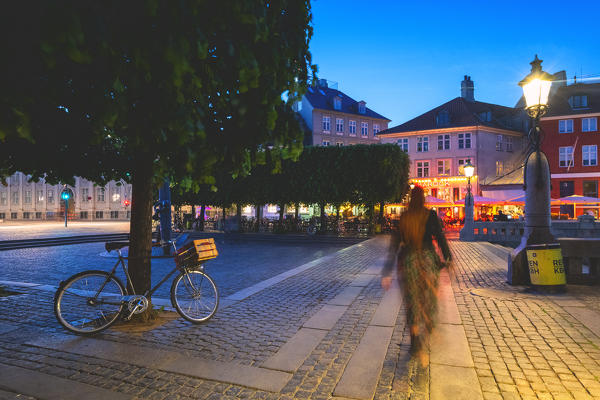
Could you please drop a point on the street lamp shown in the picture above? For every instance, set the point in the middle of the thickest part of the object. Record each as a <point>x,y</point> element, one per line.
<point>66,195</point>
<point>466,233</point>
<point>536,175</point>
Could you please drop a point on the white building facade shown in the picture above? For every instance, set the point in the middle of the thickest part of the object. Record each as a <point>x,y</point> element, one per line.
<point>22,200</point>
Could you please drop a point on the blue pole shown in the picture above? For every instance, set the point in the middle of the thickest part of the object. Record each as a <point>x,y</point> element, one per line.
<point>164,197</point>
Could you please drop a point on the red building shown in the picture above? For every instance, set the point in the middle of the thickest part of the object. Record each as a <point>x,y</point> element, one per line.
<point>571,140</point>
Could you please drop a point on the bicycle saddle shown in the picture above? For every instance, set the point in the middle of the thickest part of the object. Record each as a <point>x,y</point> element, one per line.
<point>109,246</point>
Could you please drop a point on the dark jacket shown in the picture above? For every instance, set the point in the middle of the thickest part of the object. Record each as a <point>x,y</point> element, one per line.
<point>398,250</point>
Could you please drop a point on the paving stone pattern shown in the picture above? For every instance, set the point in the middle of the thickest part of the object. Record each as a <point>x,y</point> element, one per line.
<point>524,346</point>
<point>248,332</point>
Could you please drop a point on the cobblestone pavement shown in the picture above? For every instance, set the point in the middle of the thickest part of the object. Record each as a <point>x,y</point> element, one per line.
<point>523,345</point>
<point>240,263</point>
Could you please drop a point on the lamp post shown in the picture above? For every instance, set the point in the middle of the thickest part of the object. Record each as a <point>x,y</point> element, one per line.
<point>466,233</point>
<point>66,195</point>
<point>536,175</point>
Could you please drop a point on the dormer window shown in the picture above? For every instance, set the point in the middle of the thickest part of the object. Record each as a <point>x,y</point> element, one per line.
<point>580,101</point>
<point>362,107</point>
<point>442,118</point>
<point>337,103</point>
<point>485,116</point>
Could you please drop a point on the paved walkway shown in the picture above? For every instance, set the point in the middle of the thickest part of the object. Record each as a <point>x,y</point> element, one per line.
<point>322,330</point>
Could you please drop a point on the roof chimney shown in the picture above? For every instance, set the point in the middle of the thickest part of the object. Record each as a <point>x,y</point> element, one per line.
<point>467,89</point>
<point>322,83</point>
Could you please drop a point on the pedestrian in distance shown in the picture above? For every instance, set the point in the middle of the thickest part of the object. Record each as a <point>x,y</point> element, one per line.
<point>418,264</point>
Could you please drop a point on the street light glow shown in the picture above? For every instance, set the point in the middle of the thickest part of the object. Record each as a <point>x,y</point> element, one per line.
<point>469,170</point>
<point>536,92</point>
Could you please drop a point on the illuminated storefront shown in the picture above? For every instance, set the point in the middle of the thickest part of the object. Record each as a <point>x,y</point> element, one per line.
<point>450,189</point>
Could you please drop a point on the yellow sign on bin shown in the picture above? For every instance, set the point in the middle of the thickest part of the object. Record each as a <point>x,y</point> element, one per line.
<point>546,265</point>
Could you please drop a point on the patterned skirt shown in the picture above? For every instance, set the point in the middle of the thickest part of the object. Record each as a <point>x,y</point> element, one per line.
<point>419,272</point>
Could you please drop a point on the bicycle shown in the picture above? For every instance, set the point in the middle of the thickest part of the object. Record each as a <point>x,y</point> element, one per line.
<point>91,301</point>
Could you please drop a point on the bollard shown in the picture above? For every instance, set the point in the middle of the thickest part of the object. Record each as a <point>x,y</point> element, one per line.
<point>546,269</point>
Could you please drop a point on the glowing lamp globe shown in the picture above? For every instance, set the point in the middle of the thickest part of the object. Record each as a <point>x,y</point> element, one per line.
<point>65,195</point>
<point>536,87</point>
<point>469,169</point>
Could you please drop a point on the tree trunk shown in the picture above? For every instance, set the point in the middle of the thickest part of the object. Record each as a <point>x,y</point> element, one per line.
<point>323,218</point>
<point>202,213</point>
<point>281,210</point>
<point>238,216</point>
<point>381,208</point>
<point>224,214</point>
<point>258,217</point>
<point>297,211</point>
<point>140,229</point>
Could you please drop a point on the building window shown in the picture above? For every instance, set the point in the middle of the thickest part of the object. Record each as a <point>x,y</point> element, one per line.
<point>590,188</point>
<point>565,156</point>
<point>27,197</point>
<point>364,129</point>
<point>422,169</point>
<point>128,215</point>
<point>578,101</point>
<point>339,125</point>
<point>325,143</point>
<point>114,215</point>
<point>50,196</point>
<point>352,128</point>
<point>15,197</point>
<point>590,155</point>
<point>499,142</point>
<point>38,215</point>
<point>464,140</point>
<point>116,194</point>
<point>100,192</point>
<point>461,164</point>
<point>443,167</point>
<point>423,144</point>
<point>26,215</point>
<point>3,198</point>
<point>83,215</point>
<point>40,196</point>
<point>565,126</point>
<point>443,142</point>
<point>403,143</point>
<point>326,124</point>
<point>337,103</point>
<point>2,216</point>
<point>485,116</point>
<point>13,215</point>
<point>508,141</point>
<point>85,194</point>
<point>589,124</point>
<point>99,214</point>
<point>442,119</point>
<point>362,107</point>
<point>375,129</point>
<point>499,168</point>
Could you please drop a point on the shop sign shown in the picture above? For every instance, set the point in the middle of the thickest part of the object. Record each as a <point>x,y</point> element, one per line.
<point>441,182</point>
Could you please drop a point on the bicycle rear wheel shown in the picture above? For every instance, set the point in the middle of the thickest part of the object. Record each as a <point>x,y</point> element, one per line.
<point>195,296</point>
<point>89,302</point>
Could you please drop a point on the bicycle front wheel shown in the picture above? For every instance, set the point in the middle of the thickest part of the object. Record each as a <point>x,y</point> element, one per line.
<point>195,296</point>
<point>89,302</point>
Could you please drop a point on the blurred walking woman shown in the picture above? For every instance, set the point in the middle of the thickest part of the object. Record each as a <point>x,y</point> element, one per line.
<point>413,253</point>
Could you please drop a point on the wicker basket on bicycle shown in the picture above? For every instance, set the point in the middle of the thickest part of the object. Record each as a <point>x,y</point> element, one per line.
<point>196,252</point>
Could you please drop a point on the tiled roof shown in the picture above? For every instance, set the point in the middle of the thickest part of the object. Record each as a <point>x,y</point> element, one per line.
<point>463,113</point>
<point>322,98</point>
<point>559,102</point>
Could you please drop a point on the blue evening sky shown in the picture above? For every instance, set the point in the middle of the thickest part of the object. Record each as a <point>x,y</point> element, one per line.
<point>405,57</point>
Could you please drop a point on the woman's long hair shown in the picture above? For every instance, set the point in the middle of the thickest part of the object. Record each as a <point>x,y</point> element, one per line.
<point>414,219</point>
